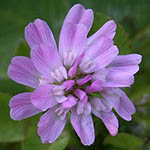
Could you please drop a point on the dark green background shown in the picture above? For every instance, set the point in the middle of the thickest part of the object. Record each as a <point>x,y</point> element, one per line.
<point>133,36</point>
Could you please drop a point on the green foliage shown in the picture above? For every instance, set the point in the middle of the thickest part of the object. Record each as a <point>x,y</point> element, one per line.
<point>10,87</point>
<point>141,45</point>
<point>30,135</point>
<point>23,49</point>
<point>62,141</point>
<point>123,141</point>
<point>132,14</point>
<point>10,130</point>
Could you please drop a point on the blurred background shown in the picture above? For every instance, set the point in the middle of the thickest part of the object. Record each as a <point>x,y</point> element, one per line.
<point>133,36</point>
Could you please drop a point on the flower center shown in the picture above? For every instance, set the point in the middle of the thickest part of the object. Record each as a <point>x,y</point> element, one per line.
<point>80,88</point>
<point>73,88</point>
<point>69,58</point>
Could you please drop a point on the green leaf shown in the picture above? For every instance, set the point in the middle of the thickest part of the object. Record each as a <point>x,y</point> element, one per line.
<point>62,141</point>
<point>141,44</point>
<point>30,135</point>
<point>10,87</point>
<point>121,38</point>
<point>10,146</point>
<point>123,141</point>
<point>122,41</point>
<point>23,49</point>
<point>142,113</point>
<point>132,14</point>
<point>95,95</point>
<point>146,145</point>
<point>10,130</point>
<point>139,88</point>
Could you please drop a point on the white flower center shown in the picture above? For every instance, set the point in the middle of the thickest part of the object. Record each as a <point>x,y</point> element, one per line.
<point>59,74</point>
<point>86,65</point>
<point>69,58</point>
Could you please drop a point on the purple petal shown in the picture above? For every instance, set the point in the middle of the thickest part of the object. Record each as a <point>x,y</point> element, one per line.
<point>38,33</point>
<point>72,39</point>
<point>83,108</point>
<point>126,103</point>
<point>44,81</point>
<point>50,126</point>
<point>101,49</point>
<point>96,86</point>
<point>23,71</point>
<point>68,84</point>
<point>84,80</point>
<point>21,107</point>
<point>45,59</point>
<point>72,71</point>
<point>80,107</point>
<point>121,103</point>
<point>78,15</point>
<point>100,75</point>
<point>81,95</point>
<point>43,97</point>
<point>110,121</point>
<point>118,78</point>
<point>105,58</point>
<point>83,125</point>
<point>108,30</point>
<point>100,104</point>
<point>87,108</point>
<point>70,102</point>
<point>99,46</point>
<point>128,63</point>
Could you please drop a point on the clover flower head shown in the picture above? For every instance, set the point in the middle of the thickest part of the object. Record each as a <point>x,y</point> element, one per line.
<point>83,76</point>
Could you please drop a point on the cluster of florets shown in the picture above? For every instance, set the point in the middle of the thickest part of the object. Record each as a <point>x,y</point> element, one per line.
<point>82,77</point>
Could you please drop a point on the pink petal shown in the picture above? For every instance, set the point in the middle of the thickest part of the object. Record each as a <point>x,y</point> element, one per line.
<point>128,63</point>
<point>108,30</point>
<point>78,15</point>
<point>100,53</point>
<point>100,75</point>
<point>83,125</point>
<point>95,86</point>
<point>43,97</point>
<point>38,33</point>
<point>100,104</point>
<point>72,39</point>
<point>45,59</point>
<point>127,102</point>
<point>105,58</point>
<point>118,78</point>
<point>121,103</point>
<point>87,108</point>
<point>68,84</point>
<point>21,107</point>
<point>23,71</point>
<point>81,95</point>
<point>73,70</point>
<point>99,46</point>
<point>84,80</point>
<point>110,121</point>
<point>99,62</point>
<point>80,108</point>
<point>70,102</point>
<point>50,126</point>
